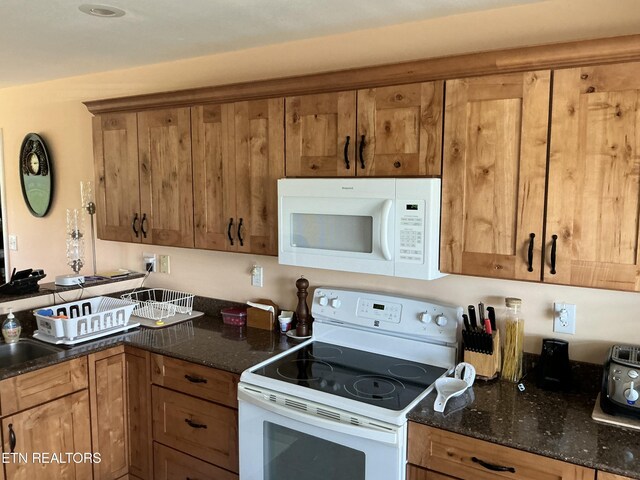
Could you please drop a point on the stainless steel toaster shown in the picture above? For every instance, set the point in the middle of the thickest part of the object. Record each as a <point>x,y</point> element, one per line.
<point>620,383</point>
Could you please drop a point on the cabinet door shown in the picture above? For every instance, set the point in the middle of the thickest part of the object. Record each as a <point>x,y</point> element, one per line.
<point>493,178</point>
<point>115,153</point>
<point>108,396</point>
<point>214,177</point>
<point>594,177</point>
<point>415,473</point>
<point>138,381</point>
<point>320,135</point>
<point>400,130</point>
<point>166,180</point>
<point>58,427</point>
<point>259,162</point>
<point>611,476</point>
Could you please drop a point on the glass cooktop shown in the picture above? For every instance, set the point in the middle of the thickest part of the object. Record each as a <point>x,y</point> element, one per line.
<point>371,378</point>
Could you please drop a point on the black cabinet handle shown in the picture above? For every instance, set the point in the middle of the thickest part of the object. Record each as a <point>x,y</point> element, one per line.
<point>362,151</point>
<point>491,466</point>
<point>195,379</point>
<point>144,219</point>
<point>229,231</point>
<point>133,225</point>
<point>554,239</point>
<point>346,153</point>
<point>193,424</point>
<point>530,253</point>
<point>12,438</point>
<point>240,234</point>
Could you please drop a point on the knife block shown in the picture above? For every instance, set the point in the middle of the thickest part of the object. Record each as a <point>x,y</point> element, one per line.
<point>487,366</point>
<point>262,319</point>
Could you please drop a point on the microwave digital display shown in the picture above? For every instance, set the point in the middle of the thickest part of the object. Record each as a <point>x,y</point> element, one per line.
<point>412,206</point>
<point>377,306</point>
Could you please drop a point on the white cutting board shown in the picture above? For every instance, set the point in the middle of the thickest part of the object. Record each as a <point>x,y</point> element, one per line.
<point>177,318</point>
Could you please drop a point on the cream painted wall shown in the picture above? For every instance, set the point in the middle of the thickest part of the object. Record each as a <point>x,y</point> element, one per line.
<point>54,110</point>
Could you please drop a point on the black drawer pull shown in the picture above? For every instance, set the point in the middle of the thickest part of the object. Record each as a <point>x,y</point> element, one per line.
<point>193,424</point>
<point>133,225</point>
<point>229,231</point>
<point>193,379</point>
<point>491,466</point>
<point>362,152</point>
<point>530,252</point>
<point>554,240</point>
<point>240,239</point>
<point>346,153</point>
<point>12,438</point>
<point>142,222</point>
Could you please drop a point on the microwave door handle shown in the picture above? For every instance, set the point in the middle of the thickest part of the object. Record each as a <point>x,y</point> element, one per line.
<point>384,229</point>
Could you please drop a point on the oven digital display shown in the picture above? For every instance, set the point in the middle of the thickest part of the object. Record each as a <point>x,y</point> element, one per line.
<point>378,306</point>
<point>412,206</point>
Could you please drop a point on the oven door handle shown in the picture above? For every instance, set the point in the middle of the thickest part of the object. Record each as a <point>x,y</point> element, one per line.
<point>384,229</point>
<point>259,399</point>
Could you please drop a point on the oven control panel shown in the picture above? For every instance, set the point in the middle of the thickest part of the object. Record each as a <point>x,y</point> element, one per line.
<point>401,316</point>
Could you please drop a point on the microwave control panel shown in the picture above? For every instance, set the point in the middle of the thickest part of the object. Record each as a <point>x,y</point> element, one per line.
<point>411,217</point>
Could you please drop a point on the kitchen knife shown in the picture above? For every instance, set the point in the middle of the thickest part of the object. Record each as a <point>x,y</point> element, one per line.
<point>481,316</point>
<point>472,317</point>
<point>465,319</point>
<point>492,317</point>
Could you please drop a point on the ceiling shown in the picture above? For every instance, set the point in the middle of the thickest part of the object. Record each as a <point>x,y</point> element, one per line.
<point>48,39</point>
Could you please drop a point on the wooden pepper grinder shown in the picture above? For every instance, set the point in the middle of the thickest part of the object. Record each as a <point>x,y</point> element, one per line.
<point>302,311</point>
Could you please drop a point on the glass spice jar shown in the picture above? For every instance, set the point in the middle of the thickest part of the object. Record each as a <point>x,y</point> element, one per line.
<point>513,341</point>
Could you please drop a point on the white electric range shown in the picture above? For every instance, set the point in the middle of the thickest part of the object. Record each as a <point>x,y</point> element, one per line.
<point>334,407</point>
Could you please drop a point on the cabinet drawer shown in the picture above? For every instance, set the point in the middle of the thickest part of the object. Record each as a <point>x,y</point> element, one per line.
<point>197,380</point>
<point>40,386</point>
<point>468,458</point>
<point>415,473</point>
<point>170,464</point>
<point>204,429</point>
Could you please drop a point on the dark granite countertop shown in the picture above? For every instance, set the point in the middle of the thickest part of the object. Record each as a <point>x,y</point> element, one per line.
<point>556,425</point>
<point>205,340</point>
<point>553,424</point>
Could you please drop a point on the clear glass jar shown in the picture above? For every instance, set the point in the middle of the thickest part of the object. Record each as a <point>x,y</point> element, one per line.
<point>513,341</point>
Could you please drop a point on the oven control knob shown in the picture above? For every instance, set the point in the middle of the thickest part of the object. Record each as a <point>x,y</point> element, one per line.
<point>335,303</point>
<point>631,394</point>
<point>323,300</point>
<point>633,374</point>
<point>441,320</point>
<point>425,317</point>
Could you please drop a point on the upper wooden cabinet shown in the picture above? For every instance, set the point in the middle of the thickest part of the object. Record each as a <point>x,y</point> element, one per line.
<point>320,132</point>
<point>386,131</point>
<point>144,177</point>
<point>166,179</point>
<point>115,152</point>
<point>594,178</point>
<point>493,179</point>
<point>238,156</point>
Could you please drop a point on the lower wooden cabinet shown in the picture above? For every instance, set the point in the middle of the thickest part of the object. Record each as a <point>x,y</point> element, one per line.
<point>415,473</point>
<point>467,458</point>
<point>138,380</point>
<point>58,427</point>
<point>611,476</point>
<point>170,464</point>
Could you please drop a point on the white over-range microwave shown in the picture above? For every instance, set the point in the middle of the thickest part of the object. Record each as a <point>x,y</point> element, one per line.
<point>384,226</point>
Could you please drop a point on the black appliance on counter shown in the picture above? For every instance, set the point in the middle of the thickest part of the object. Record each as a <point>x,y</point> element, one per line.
<point>554,371</point>
<point>22,282</point>
<point>620,384</point>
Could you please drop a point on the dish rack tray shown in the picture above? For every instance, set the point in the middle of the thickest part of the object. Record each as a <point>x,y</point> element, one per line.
<point>88,319</point>
<point>160,303</point>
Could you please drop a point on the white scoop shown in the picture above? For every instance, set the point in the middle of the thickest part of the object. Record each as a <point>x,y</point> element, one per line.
<point>448,387</point>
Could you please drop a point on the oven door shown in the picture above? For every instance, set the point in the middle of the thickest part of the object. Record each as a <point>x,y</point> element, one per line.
<point>279,440</point>
<point>337,224</point>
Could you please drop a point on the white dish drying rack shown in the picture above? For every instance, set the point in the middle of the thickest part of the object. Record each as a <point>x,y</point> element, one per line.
<point>84,320</point>
<point>160,303</point>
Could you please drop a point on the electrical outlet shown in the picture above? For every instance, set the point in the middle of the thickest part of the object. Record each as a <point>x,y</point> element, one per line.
<point>256,276</point>
<point>165,266</point>
<point>149,260</point>
<point>564,318</point>
<point>13,242</point>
